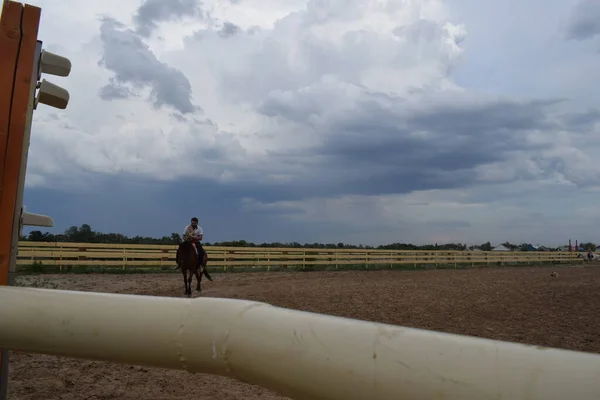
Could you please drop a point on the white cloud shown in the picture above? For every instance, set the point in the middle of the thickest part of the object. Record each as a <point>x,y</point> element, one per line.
<point>231,77</point>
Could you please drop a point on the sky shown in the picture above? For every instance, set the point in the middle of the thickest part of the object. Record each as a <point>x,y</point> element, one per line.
<point>355,121</point>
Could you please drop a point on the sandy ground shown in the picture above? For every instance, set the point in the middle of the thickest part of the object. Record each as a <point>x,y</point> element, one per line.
<point>518,304</point>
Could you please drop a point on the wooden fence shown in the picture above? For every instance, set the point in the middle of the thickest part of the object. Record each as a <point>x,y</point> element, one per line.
<point>60,254</point>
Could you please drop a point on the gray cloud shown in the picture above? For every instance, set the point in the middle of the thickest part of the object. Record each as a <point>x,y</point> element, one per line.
<point>153,11</point>
<point>377,147</point>
<point>132,61</point>
<point>582,120</point>
<point>585,20</point>
<point>229,29</point>
<point>114,91</point>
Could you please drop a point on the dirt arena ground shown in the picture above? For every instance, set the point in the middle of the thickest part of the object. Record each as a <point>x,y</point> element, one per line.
<point>519,304</point>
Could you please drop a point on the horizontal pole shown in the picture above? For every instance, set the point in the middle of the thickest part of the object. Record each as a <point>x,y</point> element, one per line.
<point>253,249</point>
<point>258,263</point>
<point>322,256</point>
<point>121,254</point>
<point>298,354</point>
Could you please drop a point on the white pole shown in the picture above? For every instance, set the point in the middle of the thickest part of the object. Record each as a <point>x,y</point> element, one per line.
<point>298,354</point>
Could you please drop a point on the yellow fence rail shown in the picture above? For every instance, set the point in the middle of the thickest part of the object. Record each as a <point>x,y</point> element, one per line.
<point>62,254</point>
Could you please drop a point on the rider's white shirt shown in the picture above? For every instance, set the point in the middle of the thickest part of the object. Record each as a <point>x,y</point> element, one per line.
<point>197,232</point>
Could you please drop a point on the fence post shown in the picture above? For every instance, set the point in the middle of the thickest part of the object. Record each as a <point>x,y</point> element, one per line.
<point>82,249</point>
<point>268,259</point>
<point>303,259</point>
<point>164,258</point>
<point>231,257</point>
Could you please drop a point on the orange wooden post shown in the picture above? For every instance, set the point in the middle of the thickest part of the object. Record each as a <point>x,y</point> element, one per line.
<point>18,43</point>
<point>10,39</point>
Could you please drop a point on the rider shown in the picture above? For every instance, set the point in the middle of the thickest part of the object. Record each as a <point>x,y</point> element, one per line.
<point>194,233</point>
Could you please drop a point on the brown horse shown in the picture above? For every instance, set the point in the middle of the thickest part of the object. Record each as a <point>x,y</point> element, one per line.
<point>187,259</point>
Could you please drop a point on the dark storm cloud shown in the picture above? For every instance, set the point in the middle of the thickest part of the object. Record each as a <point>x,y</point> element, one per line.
<point>485,118</point>
<point>134,206</point>
<point>583,120</point>
<point>585,20</point>
<point>132,61</point>
<point>378,147</point>
<point>153,11</point>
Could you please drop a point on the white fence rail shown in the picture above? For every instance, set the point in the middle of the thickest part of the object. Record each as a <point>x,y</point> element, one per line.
<point>298,354</point>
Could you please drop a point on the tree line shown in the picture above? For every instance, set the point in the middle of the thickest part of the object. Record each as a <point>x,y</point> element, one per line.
<point>85,234</point>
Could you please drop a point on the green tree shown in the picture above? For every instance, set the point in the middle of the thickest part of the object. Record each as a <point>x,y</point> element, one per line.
<point>85,234</point>
<point>487,246</point>
<point>589,245</point>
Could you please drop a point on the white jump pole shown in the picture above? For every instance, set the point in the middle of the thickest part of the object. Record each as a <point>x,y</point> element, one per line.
<point>298,354</point>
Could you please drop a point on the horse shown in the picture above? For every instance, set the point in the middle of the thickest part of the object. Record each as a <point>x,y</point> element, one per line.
<point>187,259</point>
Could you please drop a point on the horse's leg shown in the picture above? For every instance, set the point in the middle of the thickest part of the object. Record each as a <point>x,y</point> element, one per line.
<point>198,279</point>
<point>183,272</point>
<point>189,283</point>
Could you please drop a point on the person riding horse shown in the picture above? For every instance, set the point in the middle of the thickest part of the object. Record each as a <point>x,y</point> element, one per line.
<point>194,233</point>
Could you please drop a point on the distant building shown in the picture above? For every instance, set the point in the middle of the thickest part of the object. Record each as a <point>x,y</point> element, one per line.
<point>501,248</point>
